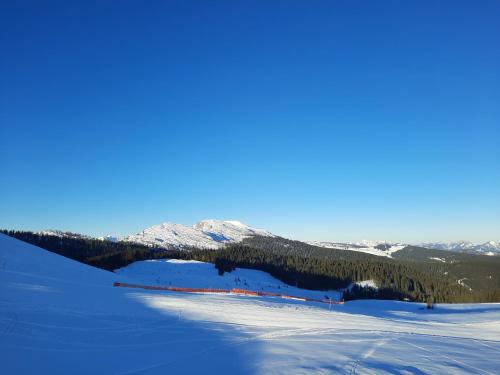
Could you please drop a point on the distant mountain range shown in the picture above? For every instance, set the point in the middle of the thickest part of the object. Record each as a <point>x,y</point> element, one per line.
<point>214,234</point>
<point>60,233</point>
<point>383,248</point>
<point>487,248</point>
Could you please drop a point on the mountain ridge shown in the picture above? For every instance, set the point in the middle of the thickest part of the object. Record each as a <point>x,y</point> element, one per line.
<point>214,234</point>
<point>206,234</point>
<point>486,248</point>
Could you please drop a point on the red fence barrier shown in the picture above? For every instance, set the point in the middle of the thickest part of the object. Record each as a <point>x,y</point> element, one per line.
<point>172,288</point>
<point>244,292</point>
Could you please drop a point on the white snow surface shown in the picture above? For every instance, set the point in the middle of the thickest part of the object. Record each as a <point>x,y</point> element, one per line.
<point>232,230</point>
<point>208,234</point>
<point>108,237</point>
<point>58,316</point>
<point>195,274</point>
<point>365,246</point>
<point>367,283</point>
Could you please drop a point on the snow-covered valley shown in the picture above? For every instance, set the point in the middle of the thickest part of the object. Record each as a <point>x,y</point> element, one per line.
<point>58,316</point>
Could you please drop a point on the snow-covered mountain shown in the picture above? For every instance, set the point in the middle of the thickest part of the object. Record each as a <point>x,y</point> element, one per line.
<point>207,234</point>
<point>487,248</point>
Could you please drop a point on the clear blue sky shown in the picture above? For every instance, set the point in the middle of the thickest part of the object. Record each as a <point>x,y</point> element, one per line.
<point>327,120</point>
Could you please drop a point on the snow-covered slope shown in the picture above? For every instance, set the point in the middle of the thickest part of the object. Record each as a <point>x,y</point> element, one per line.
<point>208,234</point>
<point>195,274</point>
<point>378,248</point>
<point>58,316</point>
<point>487,248</point>
<point>230,230</point>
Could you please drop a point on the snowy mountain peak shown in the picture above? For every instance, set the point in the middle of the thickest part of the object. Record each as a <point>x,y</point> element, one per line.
<point>208,234</point>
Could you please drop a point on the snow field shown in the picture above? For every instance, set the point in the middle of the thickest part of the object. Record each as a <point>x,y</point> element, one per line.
<point>58,316</point>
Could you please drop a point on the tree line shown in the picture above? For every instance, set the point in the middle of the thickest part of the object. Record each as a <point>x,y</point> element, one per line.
<point>292,262</point>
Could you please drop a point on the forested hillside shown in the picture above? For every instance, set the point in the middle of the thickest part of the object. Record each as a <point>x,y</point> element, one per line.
<point>414,275</point>
<point>103,254</point>
<point>478,272</point>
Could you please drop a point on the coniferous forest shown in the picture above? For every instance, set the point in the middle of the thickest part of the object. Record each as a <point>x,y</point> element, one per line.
<point>412,278</point>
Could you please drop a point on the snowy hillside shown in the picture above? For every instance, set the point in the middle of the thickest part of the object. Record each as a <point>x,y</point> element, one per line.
<point>208,234</point>
<point>487,248</point>
<point>194,274</point>
<point>230,230</point>
<point>378,248</point>
<point>58,316</point>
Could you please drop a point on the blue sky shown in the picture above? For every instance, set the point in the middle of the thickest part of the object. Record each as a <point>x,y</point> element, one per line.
<point>327,120</point>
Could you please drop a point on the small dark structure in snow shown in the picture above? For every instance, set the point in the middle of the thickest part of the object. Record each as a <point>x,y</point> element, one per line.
<point>430,303</point>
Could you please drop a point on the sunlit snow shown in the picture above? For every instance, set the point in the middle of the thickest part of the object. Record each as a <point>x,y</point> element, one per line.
<point>58,316</point>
